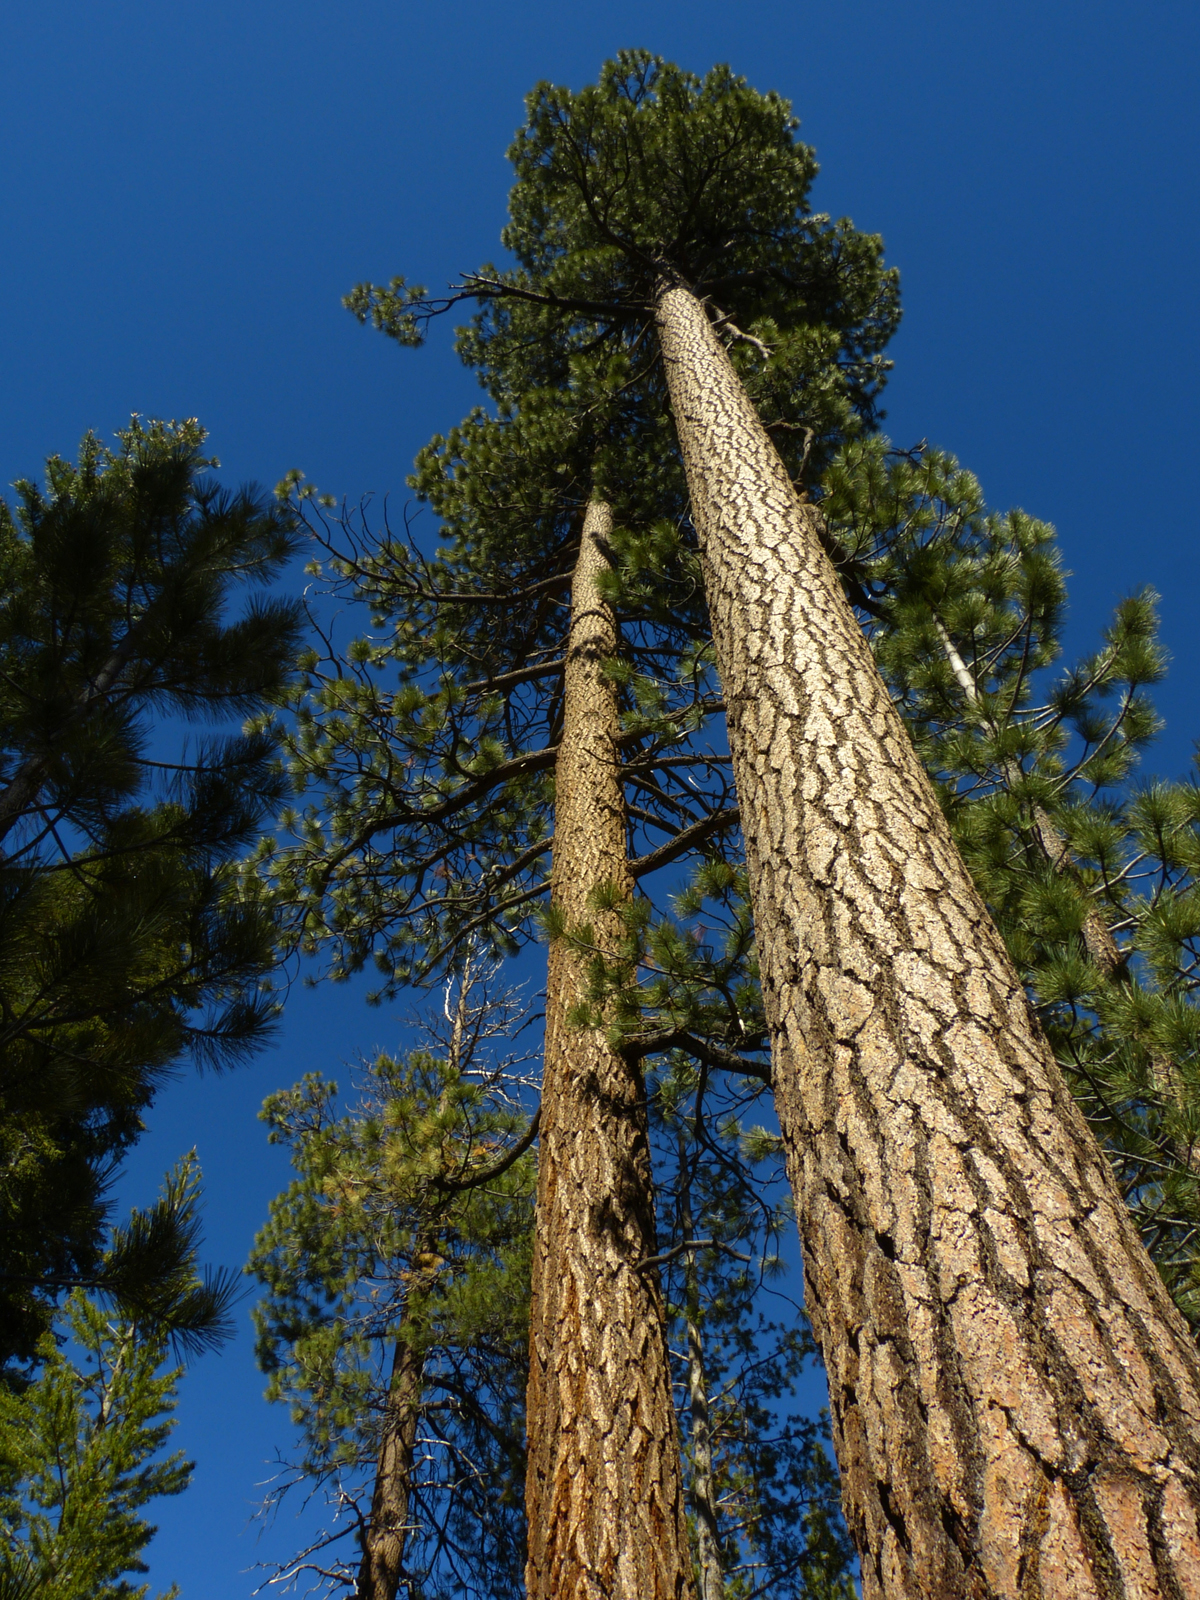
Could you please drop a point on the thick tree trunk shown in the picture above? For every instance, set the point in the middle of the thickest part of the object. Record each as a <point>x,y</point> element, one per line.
<point>1016,1401</point>
<point>603,1493</point>
<point>383,1551</point>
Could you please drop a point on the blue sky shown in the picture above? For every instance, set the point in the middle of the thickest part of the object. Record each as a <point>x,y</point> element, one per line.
<point>189,190</point>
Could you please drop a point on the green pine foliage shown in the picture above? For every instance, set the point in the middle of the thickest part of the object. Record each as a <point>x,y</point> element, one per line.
<point>425,755</point>
<point>653,173</point>
<point>428,799</point>
<point>77,1463</point>
<point>405,1224</point>
<point>127,940</point>
<point>424,751</point>
<point>81,1444</point>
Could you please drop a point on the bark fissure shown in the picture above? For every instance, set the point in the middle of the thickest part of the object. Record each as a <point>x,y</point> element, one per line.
<point>1015,1399</point>
<point>604,1488</point>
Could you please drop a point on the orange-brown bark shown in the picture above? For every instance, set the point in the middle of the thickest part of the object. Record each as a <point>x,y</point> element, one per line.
<point>603,1492</point>
<point>1016,1401</point>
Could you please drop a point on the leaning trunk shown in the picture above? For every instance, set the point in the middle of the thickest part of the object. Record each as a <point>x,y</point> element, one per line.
<point>603,1494</point>
<point>383,1547</point>
<point>1016,1401</point>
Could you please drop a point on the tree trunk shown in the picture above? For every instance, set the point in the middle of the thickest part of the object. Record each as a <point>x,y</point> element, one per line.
<point>383,1552</point>
<point>1015,1399</point>
<point>704,1501</point>
<point>603,1493</point>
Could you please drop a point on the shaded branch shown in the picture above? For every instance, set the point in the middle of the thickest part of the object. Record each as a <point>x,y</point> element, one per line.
<point>458,1185</point>
<point>684,841</point>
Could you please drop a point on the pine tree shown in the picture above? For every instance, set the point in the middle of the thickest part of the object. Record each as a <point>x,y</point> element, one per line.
<point>1014,1396</point>
<point>604,1467</point>
<point>454,778</point>
<point>979,1133</point>
<point>613,444</point>
<point>80,1445</point>
<point>126,941</point>
<point>395,1321</point>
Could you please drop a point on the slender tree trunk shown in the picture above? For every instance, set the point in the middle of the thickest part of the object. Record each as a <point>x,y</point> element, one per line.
<point>604,1493</point>
<point>704,1503</point>
<point>383,1553</point>
<point>1016,1401</point>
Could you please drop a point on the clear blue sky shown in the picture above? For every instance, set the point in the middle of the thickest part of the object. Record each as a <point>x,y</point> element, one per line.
<point>188,191</point>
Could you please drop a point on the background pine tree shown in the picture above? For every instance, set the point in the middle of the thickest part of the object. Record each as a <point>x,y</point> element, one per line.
<point>395,1318</point>
<point>128,942</point>
<point>80,1445</point>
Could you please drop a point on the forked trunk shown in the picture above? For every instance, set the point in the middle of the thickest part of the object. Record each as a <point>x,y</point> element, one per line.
<point>383,1550</point>
<point>1016,1401</point>
<point>603,1493</point>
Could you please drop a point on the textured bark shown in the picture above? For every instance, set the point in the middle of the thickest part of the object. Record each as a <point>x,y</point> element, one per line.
<point>1015,1399</point>
<point>383,1552</point>
<point>603,1492</point>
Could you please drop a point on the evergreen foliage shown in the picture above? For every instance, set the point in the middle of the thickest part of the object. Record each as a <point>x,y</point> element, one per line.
<point>647,175</point>
<point>430,825</point>
<point>127,941</point>
<point>429,822</point>
<point>80,1446</point>
<point>405,1226</point>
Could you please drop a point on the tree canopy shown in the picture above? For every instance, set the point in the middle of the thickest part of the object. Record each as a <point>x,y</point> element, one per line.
<point>128,942</point>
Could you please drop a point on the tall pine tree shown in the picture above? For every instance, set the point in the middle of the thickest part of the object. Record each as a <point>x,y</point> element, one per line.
<point>127,941</point>
<point>1015,1397</point>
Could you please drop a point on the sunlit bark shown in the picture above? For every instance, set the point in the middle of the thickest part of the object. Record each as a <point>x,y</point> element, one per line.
<point>604,1494</point>
<point>1016,1401</point>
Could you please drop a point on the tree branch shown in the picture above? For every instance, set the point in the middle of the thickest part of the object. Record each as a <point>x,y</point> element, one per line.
<point>684,841</point>
<point>458,1185</point>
